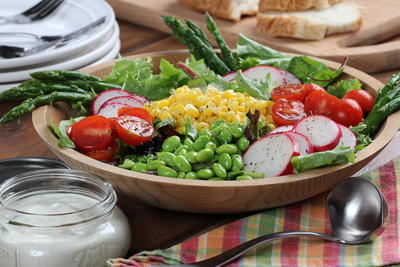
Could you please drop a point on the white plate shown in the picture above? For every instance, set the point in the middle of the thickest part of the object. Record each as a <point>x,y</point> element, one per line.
<point>82,59</point>
<point>70,16</point>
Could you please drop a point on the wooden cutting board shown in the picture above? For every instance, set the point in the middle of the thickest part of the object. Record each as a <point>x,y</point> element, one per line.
<point>380,19</point>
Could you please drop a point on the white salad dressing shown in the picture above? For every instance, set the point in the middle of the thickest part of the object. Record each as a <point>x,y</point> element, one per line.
<point>86,242</point>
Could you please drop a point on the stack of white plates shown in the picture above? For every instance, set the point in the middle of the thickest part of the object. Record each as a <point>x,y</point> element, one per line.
<point>96,46</point>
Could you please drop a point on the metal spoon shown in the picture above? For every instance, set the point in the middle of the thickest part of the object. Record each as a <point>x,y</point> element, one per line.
<point>358,213</point>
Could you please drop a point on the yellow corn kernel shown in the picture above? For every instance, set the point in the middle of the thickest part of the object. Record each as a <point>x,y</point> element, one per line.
<point>165,115</point>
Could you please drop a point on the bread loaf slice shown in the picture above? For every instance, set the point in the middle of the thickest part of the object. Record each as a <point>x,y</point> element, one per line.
<point>293,5</point>
<point>227,9</point>
<point>311,24</point>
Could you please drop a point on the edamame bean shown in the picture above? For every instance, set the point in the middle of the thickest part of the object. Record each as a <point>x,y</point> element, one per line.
<point>154,164</point>
<point>204,155</point>
<point>205,132</point>
<point>227,148</point>
<point>237,162</point>
<point>128,164</point>
<point>216,179</point>
<point>219,170</point>
<point>171,143</point>
<point>211,146</point>
<point>181,150</point>
<point>253,174</point>
<point>243,143</point>
<point>166,171</point>
<point>201,142</point>
<point>191,175</point>
<point>182,164</point>
<point>236,130</point>
<point>244,177</point>
<point>205,174</point>
<point>139,167</point>
<point>191,156</point>
<point>224,136</point>
<point>167,157</point>
<point>181,175</point>
<point>225,160</point>
<point>187,142</point>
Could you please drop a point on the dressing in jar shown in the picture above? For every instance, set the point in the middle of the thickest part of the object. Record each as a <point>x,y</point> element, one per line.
<point>62,218</point>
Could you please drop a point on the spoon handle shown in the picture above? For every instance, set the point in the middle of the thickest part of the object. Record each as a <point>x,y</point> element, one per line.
<point>235,252</point>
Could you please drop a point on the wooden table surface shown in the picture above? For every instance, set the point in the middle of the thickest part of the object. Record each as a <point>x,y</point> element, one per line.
<point>152,228</point>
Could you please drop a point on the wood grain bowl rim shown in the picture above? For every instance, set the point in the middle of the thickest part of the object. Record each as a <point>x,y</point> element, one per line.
<point>388,130</point>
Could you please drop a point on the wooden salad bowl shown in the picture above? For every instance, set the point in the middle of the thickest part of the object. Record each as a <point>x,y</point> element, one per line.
<point>202,196</point>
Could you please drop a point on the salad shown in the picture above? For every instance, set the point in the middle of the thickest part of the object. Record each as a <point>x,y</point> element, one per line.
<point>238,115</point>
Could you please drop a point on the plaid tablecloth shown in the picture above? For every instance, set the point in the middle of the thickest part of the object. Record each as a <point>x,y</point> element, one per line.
<point>309,215</point>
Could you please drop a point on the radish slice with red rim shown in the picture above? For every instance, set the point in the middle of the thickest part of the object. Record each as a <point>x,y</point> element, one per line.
<point>106,95</point>
<point>271,155</point>
<point>348,137</point>
<point>261,72</point>
<point>128,100</point>
<point>323,133</point>
<point>230,76</point>
<point>282,129</point>
<point>290,78</point>
<point>111,110</point>
<point>305,146</point>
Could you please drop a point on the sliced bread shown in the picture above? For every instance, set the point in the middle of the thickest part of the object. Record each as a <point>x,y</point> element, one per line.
<point>227,9</point>
<point>294,5</point>
<point>311,24</point>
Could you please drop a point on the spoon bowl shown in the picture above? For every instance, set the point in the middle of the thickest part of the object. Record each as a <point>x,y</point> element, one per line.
<point>358,213</point>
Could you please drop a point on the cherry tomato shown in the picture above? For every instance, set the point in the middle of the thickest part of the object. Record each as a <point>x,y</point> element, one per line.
<point>134,130</point>
<point>311,87</point>
<point>91,133</point>
<point>106,154</point>
<point>113,124</point>
<point>363,98</point>
<point>348,113</point>
<point>289,91</point>
<point>287,111</point>
<point>321,103</point>
<point>136,112</point>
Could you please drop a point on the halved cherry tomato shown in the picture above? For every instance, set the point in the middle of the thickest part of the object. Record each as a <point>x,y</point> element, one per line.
<point>91,133</point>
<point>134,130</point>
<point>113,124</point>
<point>289,91</point>
<point>311,87</point>
<point>348,113</point>
<point>106,154</point>
<point>287,111</point>
<point>363,98</point>
<point>136,112</point>
<point>321,103</point>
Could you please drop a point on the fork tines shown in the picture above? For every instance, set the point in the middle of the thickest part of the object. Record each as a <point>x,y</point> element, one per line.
<point>42,9</point>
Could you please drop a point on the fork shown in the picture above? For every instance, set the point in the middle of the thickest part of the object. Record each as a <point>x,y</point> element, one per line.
<point>37,12</point>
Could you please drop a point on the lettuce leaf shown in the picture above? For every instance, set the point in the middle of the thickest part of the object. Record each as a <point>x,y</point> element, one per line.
<point>344,86</point>
<point>61,132</point>
<point>253,87</point>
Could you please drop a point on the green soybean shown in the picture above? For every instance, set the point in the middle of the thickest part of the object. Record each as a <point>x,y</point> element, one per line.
<point>191,175</point>
<point>205,174</point>
<point>171,143</point>
<point>216,179</point>
<point>244,177</point>
<point>211,145</point>
<point>187,142</point>
<point>167,157</point>
<point>225,160</point>
<point>224,136</point>
<point>181,175</point>
<point>253,174</point>
<point>205,155</point>
<point>201,142</point>
<point>227,148</point>
<point>243,143</point>
<point>219,170</point>
<point>154,164</point>
<point>237,162</point>
<point>128,164</point>
<point>205,132</point>
<point>166,171</point>
<point>191,156</point>
<point>139,167</point>
<point>181,150</point>
<point>236,130</point>
<point>183,164</point>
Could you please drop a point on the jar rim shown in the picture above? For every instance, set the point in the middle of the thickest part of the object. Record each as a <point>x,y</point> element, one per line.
<point>56,181</point>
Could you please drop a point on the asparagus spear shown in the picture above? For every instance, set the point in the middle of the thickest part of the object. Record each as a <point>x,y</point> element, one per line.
<point>394,82</point>
<point>231,59</point>
<point>61,75</point>
<point>97,86</point>
<point>32,103</point>
<point>198,32</point>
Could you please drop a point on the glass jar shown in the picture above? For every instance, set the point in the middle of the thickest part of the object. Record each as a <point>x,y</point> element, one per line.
<point>62,218</point>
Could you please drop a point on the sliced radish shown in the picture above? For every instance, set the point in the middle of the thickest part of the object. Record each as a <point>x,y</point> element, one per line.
<point>261,72</point>
<point>128,100</point>
<point>111,110</point>
<point>187,70</point>
<point>106,95</point>
<point>290,78</point>
<point>229,76</point>
<point>305,146</point>
<point>142,99</point>
<point>348,137</point>
<point>271,155</point>
<point>282,129</point>
<point>323,133</point>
